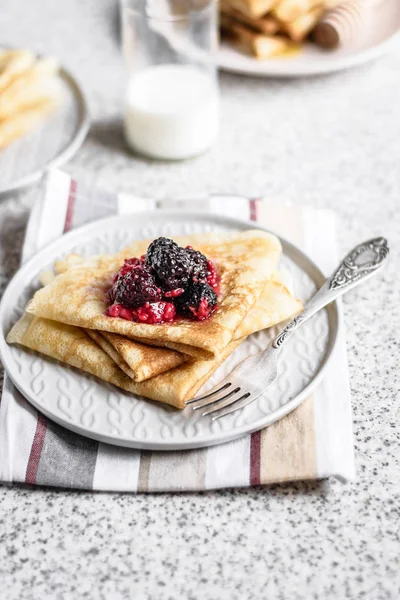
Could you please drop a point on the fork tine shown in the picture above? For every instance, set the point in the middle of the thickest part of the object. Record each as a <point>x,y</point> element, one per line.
<point>225,402</point>
<point>207,401</point>
<point>237,405</point>
<point>215,390</point>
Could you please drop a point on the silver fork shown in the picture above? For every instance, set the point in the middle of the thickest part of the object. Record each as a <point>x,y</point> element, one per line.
<point>255,373</point>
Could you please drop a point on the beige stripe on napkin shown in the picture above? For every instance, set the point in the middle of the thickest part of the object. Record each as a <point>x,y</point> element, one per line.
<point>188,469</point>
<point>144,471</point>
<point>288,447</point>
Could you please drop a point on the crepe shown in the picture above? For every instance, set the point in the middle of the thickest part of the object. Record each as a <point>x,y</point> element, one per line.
<point>300,27</point>
<point>18,125</point>
<point>142,362</point>
<point>245,262</point>
<point>265,24</point>
<point>275,305</point>
<point>252,42</point>
<point>35,86</point>
<point>289,10</point>
<point>252,8</point>
<point>110,361</point>
<point>72,346</point>
<point>13,63</point>
<point>270,28</point>
<point>138,361</point>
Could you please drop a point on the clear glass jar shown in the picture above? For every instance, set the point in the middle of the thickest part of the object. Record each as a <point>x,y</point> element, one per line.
<point>171,99</point>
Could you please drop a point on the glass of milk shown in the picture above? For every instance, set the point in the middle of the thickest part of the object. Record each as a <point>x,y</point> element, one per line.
<point>171,98</point>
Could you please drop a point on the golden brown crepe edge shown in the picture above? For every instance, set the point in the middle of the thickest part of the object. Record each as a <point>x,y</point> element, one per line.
<point>150,362</point>
<point>80,351</point>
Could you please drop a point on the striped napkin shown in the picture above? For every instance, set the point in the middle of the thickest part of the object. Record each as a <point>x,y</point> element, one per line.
<point>314,441</point>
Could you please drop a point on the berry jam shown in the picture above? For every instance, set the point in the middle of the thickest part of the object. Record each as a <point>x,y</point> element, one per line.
<point>203,311</point>
<point>155,312</point>
<point>117,310</point>
<point>166,283</point>
<point>174,293</point>
<point>150,312</point>
<point>212,277</point>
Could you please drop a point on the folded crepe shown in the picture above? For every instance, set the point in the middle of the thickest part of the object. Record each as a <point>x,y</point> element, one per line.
<point>21,123</point>
<point>138,361</point>
<point>73,346</point>
<point>301,26</point>
<point>245,262</point>
<point>251,8</point>
<point>265,24</point>
<point>142,362</point>
<point>34,87</point>
<point>252,42</point>
<point>14,63</point>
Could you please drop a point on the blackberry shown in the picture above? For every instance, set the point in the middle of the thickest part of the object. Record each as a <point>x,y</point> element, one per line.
<point>170,263</point>
<point>198,264</point>
<point>198,300</point>
<point>134,287</point>
<point>129,264</point>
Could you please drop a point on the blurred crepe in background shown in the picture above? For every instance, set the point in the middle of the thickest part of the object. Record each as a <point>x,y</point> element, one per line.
<point>29,91</point>
<point>268,28</point>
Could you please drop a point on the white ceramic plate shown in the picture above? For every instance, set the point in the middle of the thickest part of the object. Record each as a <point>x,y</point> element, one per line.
<point>51,144</point>
<point>316,61</point>
<point>87,406</point>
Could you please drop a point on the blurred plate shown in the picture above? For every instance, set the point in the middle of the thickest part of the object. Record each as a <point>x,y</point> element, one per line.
<point>51,144</point>
<point>316,61</point>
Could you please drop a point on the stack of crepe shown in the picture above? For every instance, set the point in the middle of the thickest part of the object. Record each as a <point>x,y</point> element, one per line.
<point>266,28</point>
<point>29,91</point>
<point>167,362</point>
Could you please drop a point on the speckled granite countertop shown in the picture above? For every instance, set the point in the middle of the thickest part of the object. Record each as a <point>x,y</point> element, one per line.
<point>330,142</point>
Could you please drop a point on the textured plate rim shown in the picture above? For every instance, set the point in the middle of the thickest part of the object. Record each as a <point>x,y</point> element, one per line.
<point>70,149</point>
<point>293,70</point>
<point>163,446</point>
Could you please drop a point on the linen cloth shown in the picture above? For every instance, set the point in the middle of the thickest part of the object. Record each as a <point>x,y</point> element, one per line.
<point>314,441</point>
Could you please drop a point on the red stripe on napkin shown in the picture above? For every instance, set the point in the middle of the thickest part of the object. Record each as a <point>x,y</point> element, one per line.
<point>36,449</point>
<point>253,209</point>
<point>255,458</point>
<point>41,426</point>
<point>255,441</point>
<point>70,206</point>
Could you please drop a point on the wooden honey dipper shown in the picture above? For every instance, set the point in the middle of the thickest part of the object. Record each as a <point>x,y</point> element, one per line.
<point>343,23</point>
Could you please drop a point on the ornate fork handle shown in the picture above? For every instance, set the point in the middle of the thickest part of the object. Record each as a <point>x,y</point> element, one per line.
<point>359,264</point>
